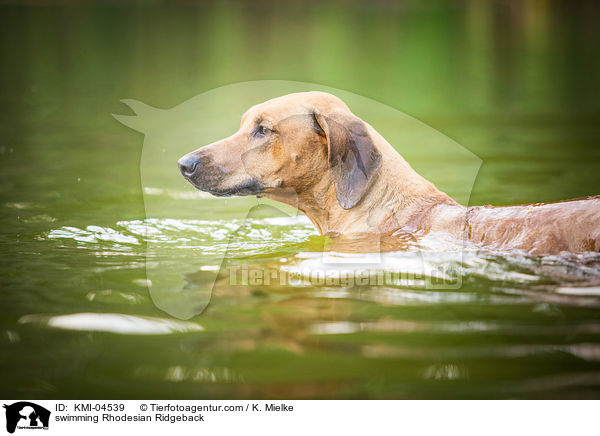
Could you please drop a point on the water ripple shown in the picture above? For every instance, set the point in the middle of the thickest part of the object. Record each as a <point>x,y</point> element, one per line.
<point>113,323</point>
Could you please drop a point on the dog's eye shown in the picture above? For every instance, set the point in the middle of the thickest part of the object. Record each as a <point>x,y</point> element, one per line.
<point>263,131</point>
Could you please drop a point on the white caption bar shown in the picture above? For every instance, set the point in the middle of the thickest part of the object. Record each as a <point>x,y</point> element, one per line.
<point>262,417</point>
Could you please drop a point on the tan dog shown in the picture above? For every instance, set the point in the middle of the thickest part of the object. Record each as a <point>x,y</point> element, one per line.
<point>309,151</point>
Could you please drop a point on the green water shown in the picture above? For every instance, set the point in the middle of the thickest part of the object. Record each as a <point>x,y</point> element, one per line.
<point>516,83</point>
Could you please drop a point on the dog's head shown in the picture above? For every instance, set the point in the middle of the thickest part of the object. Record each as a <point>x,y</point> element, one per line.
<point>289,144</point>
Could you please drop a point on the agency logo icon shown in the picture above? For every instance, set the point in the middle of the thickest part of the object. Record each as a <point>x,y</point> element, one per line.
<point>26,415</point>
<point>180,218</point>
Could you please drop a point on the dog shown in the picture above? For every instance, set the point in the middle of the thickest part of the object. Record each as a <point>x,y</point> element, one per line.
<point>310,151</point>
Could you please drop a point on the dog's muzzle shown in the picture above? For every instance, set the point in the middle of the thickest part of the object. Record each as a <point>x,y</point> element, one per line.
<point>199,170</point>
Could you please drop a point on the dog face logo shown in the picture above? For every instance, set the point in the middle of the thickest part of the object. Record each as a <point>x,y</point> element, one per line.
<point>171,202</point>
<point>26,415</point>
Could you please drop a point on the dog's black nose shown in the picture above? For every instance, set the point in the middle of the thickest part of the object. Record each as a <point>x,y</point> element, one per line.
<point>187,165</point>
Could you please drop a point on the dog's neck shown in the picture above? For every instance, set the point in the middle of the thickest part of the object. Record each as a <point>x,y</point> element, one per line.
<point>397,198</point>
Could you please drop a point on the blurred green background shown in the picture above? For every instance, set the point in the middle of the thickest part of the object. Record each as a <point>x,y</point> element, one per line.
<point>515,82</point>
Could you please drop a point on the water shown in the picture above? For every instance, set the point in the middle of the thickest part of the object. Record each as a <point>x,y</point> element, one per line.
<point>515,84</point>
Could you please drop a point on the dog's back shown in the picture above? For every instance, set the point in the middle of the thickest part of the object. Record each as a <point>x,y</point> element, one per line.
<point>538,228</point>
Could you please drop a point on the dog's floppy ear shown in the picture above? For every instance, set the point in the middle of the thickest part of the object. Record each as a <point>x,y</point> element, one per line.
<point>353,157</point>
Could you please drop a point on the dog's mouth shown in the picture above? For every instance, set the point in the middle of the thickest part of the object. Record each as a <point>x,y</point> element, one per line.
<point>247,187</point>
<point>205,176</point>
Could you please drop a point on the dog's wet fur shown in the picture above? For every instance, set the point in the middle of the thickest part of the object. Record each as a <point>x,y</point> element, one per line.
<point>309,151</point>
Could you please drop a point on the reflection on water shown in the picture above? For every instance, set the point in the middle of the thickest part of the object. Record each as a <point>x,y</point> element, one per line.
<point>263,237</point>
<point>114,323</point>
<point>525,317</point>
<point>514,81</point>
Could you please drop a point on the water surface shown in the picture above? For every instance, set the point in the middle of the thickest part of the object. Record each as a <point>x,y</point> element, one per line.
<point>515,84</point>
